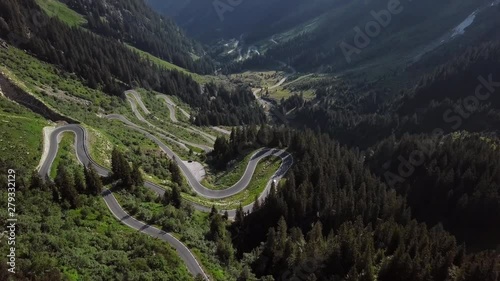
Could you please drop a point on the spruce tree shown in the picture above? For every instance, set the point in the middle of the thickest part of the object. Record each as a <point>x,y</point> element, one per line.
<point>93,181</point>
<point>80,183</point>
<point>66,185</point>
<point>36,182</point>
<point>176,198</point>
<point>137,178</point>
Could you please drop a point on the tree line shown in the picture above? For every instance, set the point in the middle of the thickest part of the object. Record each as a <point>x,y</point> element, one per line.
<point>106,64</point>
<point>333,219</point>
<point>459,94</point>
<point>133,22</point>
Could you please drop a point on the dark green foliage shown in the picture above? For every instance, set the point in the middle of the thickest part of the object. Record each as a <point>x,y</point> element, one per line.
<point>80,182</point>
<point>107,64</point>
<point>213,211</point>
<point>66,187</point>
<point>176,198</point>
<point>176,173</point>
<point>360,113</point>
<point>93,181</point>
<point>219,234</point>
<point>451,180</point>
<point>234,108</point>
<point>333,218</point>
<point>37,182</point>
<point>173,197</point>
<point>121,169</point>
<point>136,24</point>
<point>88,243</point>
<point>136,176</point>
<point>244,140</point>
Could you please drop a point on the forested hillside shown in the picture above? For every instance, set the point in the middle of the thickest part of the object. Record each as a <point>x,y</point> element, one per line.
<point>333,36</point>
<point>334,44</point>
<point>460,94</point>
<point>392,166</point>
<point>209,21</point>
<point>104,62</point>
<point>135,23</point>
<point>453,180</point>
<point>333,220</point>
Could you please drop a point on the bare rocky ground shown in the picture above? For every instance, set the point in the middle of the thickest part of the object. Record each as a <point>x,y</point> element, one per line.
<point>46,134</point>
<point>197,169</point>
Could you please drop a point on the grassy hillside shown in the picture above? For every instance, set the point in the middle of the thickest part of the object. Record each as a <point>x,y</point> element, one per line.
<point>54,8</point>
<point>66,153</point>
<point>168,65</point>
<point>87,243</point>
<point>21,140</point>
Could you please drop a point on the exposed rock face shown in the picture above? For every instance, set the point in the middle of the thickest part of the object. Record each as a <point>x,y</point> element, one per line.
<point>13,92</point>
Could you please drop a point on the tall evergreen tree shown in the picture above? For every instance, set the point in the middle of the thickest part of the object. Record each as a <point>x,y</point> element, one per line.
<point>93,181</point>
<point>121,169</point>
<point>176,173</point>
<point>137,177</point>
<point>66,185</point>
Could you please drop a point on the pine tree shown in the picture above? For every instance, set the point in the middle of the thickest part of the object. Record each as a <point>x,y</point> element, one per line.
<point>217,228</point>
<point>121,169</point>
<point>246,275</point>
<point>368,273</point>
<point>66,185</point>
<point>213,212</point>
<point>176,197</point>
<point>36,182</point>
<point>239,216</point>
<point>175,171</point>
<point>93,181</point>
<point>256,204</point>
<point>137,178</point>
<point>80,183</point>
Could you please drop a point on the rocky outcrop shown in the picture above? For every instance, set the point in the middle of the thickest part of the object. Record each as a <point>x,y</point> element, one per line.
<point>13,92</point>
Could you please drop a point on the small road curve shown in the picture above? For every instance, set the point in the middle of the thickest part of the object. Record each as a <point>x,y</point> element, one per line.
<point>83,155</point>
<point>171,107</point>
<point>137,96</point>
<point>133,101</point>
<point>279,83</point>
<point>183,251</point>
<point>134,126</point>
<point>221,130</point>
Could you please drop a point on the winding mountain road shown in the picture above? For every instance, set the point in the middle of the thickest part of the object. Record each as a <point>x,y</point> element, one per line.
<point>172,106</point>
<point>172,109</point>
<point>83,155</point>
<point>136,100</point>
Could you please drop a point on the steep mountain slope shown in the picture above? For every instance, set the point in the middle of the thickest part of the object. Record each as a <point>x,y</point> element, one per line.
<point>329,36</point>
<point>459,94</point>
<point>136,24</point>
<point>104,62</point>
<point>367,33</point>
<point>210,20</point>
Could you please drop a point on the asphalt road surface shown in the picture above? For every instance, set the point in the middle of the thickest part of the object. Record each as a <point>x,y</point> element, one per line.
<point>83,155</point>
<point>171,107</point>
<point>134,100</point>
